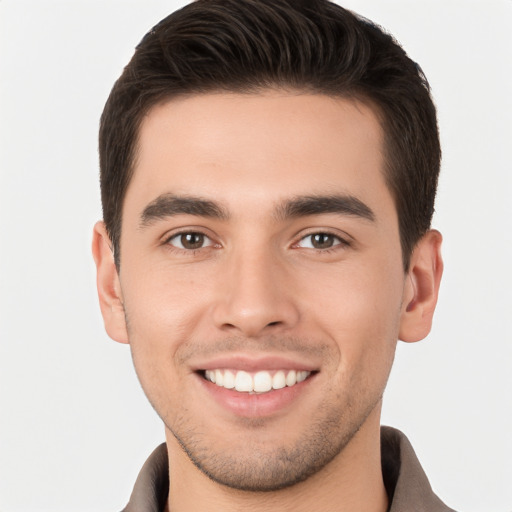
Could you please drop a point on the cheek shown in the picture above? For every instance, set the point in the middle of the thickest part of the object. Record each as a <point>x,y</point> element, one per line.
<point>163,302</point>
<point>359,309</point>
<point>161,309</point>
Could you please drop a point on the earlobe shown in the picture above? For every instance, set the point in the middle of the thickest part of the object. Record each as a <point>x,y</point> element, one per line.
<point>421,288</point>
<point>109,289</point>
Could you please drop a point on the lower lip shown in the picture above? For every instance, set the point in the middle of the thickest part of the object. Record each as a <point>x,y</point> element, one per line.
<point>256,405</point>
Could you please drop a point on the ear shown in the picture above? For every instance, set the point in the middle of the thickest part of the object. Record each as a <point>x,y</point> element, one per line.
<point>421,288</point>
<point>108,284</point>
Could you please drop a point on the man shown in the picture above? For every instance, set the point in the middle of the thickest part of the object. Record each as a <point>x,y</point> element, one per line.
<point>268,174</point>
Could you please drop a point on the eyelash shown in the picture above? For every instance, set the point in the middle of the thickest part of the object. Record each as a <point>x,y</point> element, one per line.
<point>338,242</point>
<point>169,245</point>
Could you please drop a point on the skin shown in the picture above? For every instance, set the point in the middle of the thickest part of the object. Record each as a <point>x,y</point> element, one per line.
<point>257,289</point>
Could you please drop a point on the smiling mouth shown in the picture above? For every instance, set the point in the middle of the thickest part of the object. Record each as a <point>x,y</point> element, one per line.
<point>257,382</point>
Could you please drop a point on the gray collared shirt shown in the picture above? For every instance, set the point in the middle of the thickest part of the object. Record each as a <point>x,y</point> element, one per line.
<point>406,483</point>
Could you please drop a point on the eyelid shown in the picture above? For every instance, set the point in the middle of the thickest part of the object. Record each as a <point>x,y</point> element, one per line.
<point>166,239</point>
<point>343,239</point>
<point>177,236</point>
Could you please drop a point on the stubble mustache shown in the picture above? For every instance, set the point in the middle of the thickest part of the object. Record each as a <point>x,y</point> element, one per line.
<point>277,345</point>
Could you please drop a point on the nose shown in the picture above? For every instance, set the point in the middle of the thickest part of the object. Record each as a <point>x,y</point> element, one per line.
<point>255,296</point>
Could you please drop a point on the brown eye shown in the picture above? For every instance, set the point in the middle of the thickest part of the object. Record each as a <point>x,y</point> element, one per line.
<point>320,241</point>
<point>190,241</point>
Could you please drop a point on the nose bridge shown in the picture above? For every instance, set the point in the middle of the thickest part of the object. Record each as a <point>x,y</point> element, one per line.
<point>254,296</point>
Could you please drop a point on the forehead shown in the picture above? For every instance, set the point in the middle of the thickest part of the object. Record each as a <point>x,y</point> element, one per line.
<point>264,147</point>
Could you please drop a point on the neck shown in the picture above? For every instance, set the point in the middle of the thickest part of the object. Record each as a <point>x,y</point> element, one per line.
<point>351,482</point>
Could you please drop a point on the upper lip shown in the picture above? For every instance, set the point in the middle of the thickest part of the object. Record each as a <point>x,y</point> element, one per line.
<point>254,363</point>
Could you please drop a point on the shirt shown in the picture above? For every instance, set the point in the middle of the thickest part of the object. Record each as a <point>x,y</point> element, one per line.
<point>407,485</point>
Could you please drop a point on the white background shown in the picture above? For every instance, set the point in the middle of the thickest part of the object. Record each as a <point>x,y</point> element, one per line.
<point>74,425</point>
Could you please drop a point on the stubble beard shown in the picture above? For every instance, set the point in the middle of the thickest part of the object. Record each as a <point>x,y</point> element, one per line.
<point>255,467</point>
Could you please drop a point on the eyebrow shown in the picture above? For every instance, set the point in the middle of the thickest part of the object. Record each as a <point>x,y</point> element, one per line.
<point>169,205</point>
<point>319,204</point>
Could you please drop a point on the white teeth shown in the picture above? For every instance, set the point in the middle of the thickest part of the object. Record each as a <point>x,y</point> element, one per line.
<point>219,378</point>
<point>243,381</point>
<point>302,376</point>
<point>279,380</point>
<point>291,378</point>
<point>260,382</point>
<point>229,379</point>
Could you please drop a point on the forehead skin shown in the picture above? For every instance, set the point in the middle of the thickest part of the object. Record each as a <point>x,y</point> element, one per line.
<point>264,145</point>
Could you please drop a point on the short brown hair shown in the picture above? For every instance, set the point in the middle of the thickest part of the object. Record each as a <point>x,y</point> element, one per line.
<point>249,45</point>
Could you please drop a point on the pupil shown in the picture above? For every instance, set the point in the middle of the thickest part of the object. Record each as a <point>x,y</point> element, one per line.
<point>322,241</point>
<point>192,240</point>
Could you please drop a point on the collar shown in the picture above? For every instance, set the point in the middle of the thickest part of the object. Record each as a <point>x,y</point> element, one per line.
<point>407,485</point>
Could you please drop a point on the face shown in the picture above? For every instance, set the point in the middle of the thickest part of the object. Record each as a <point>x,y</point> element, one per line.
<point>261,279</point>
